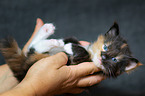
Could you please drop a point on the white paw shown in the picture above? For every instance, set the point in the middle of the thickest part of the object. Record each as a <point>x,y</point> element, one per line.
<point>54,42</point>
<point>47,29</point>
<point>57,43</point>
<point>61,42</point>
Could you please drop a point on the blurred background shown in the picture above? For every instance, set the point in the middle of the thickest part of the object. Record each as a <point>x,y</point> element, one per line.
<point>84,19</point>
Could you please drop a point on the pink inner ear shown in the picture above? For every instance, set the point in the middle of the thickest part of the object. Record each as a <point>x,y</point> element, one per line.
<point>139,64</point>
<point>131,66</point>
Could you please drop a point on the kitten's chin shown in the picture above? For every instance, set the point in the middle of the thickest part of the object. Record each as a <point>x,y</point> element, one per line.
<point>100,66</point>
<point>97,59</point>
<point>98,63</point>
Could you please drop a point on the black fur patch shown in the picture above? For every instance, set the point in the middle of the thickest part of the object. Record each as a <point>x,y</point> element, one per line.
<point>71,40</point>
<point>79,54</point>
<point>31,51</point>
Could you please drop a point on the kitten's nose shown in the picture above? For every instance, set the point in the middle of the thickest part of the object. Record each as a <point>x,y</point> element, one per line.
<point>103,55</point>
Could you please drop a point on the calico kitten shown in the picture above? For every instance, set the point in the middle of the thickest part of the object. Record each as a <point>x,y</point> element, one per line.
<point>110,52</point>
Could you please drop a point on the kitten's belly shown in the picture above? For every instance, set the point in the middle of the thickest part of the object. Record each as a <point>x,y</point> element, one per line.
<point>56,50</point>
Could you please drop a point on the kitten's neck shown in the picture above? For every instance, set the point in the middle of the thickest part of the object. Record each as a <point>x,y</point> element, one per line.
<point>90,51</point>
<point>94,55</point>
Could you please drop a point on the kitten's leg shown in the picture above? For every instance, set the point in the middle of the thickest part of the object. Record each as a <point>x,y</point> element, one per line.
<point>45,31</point>
<point>45,45</point>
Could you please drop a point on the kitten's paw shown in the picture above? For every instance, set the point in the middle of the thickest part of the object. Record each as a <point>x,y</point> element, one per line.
<point>54,42</point>
<point>48,29</point>
<point>61,42</point>
<point>45,31</point>
<point>58,43</point>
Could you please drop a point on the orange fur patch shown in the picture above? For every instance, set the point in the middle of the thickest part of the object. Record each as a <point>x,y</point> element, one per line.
<point>38,56</point>
<point>98,44</point>
<point>95,51</point>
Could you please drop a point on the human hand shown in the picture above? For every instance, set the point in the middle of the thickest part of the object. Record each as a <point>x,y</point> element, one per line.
<point>51,76</point>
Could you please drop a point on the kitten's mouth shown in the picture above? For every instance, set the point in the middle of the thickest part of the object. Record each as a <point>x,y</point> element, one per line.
<point>98,63</point>
<point>106,71</point>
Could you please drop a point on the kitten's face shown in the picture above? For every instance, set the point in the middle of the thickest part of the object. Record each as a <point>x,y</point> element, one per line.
<point>111,53</point>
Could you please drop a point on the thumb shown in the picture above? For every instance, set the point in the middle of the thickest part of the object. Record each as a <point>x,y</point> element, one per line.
<point>57,60</point>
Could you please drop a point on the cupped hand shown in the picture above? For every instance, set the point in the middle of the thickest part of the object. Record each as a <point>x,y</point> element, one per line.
<point>51,76</point>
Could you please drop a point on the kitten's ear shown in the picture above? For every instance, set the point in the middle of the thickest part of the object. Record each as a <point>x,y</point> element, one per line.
<point>113,31</point>
<point>132,65</point>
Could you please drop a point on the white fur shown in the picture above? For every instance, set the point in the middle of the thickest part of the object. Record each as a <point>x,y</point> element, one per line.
<point>61,42</point>
<point>45,31</point>
<point>90,50</point>
<point>96,58</point>
<point>97,61</point>
<point>46,45</point>
<point>131,66</point>
<point>68,48</point>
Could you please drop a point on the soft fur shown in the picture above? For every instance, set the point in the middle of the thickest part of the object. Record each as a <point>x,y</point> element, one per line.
<point>110,52</point>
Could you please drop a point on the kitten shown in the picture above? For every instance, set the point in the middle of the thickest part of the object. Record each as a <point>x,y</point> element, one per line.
<point>110,52</point>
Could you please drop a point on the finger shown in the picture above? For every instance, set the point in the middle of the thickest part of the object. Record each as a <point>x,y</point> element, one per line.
<point>89,80</point>
<point>39,24</point>
<point>84,69</point>
<point>57,60</point>
<point>84,43</point>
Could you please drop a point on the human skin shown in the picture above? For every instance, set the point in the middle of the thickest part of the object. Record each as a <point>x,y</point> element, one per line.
<point>49,77</point>
<point>68,78</point>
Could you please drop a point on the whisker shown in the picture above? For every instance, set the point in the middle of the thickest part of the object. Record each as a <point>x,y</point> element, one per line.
<point>113,71</point>
<point>109,72</point>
